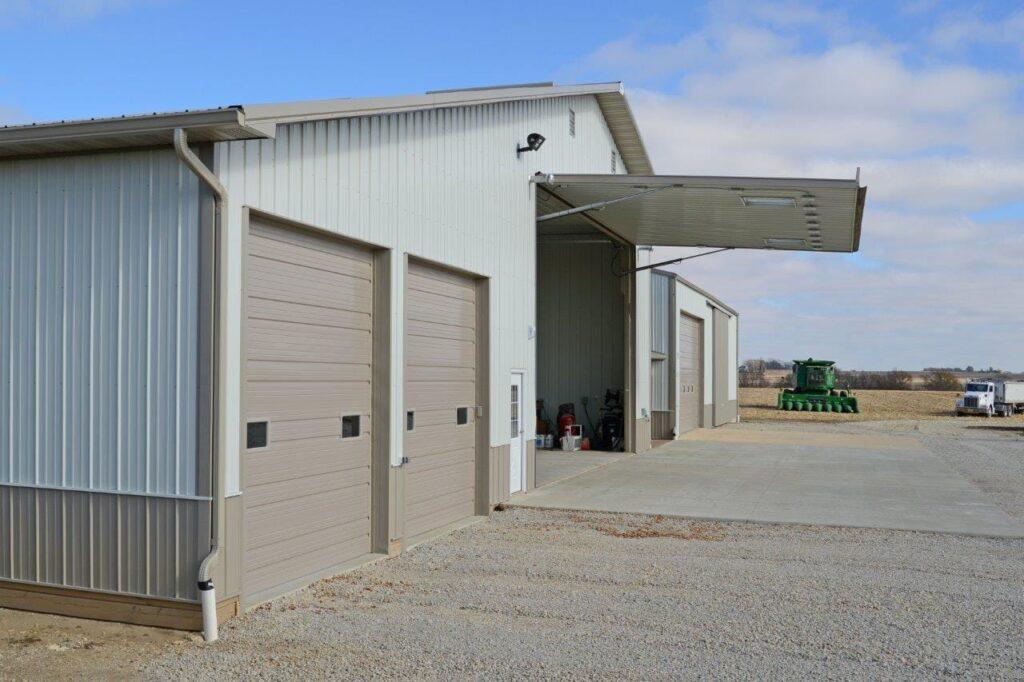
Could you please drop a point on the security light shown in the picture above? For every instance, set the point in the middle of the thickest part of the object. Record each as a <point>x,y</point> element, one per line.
<point>534,141</point>
<point>784,243</point>
<point>769,201</point>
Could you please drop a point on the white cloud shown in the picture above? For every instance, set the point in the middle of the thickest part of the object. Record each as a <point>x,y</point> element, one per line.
<point>792,91</point>
<point>958,31</point>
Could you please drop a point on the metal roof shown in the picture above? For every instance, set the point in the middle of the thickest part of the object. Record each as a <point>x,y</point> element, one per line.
<point>260,120</point>
<point>144,130</point>
<point>800,214</point>
<point>610,97</point>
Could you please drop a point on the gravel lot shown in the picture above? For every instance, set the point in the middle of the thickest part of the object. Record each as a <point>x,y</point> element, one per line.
<point>532,594</point>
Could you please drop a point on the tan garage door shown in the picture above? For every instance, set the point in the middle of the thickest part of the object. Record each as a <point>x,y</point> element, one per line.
<point>691,401</point>
<point>440,390</point>
<point>308,357</point>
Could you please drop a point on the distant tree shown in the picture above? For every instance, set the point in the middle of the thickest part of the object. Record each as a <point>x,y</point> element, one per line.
<point>969,368</point>
<point>751,374</point>
<point>898,380</point>
<point>941,380</point>
<point>894,380</point>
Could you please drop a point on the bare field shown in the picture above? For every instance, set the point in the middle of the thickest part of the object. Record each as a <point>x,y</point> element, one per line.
<point>759,405</point>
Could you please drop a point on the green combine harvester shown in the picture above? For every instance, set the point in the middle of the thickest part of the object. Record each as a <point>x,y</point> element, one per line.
<point>814,389</point>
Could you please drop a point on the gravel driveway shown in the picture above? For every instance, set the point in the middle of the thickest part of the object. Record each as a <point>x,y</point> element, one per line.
<point>532,594</point>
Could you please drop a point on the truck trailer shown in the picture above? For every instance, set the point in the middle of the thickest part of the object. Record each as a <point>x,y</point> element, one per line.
<point>991,397</point>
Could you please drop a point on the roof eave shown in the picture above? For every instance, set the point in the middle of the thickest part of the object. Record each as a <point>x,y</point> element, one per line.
<point>209,125</point>
<point>313,110</point>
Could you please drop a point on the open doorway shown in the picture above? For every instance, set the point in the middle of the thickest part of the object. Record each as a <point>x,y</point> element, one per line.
<point>583,333</point>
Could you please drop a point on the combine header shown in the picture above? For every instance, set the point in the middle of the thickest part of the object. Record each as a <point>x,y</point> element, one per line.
<point>814,389</point>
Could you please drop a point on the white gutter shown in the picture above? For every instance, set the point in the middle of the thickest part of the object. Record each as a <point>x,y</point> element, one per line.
<point>207,592</point>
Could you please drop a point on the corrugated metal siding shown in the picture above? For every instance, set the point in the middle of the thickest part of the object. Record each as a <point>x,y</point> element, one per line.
<point>98,343</point>
<point>661,314</point>
<point>642,340</point>
<point>115,543</point>
<point>98,323</point>
<point>580,317</point>
<point>660,385</point>
<point>444,185</point>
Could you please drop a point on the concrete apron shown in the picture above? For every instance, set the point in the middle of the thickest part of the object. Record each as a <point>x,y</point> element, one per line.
<point>832,479</point>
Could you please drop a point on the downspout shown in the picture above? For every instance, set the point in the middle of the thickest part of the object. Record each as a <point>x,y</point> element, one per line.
<point>207,593</point>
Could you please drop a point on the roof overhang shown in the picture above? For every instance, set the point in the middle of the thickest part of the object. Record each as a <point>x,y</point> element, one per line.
<point>64,137</point>
<point>796,214</point>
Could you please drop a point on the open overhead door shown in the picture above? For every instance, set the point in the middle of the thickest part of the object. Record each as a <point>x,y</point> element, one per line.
<point>735,212</point>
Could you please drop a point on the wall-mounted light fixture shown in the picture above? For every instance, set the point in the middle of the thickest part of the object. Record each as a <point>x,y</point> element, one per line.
<point>534,141</point>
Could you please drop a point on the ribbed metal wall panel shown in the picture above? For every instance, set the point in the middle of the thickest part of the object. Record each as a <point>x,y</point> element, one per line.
<point>661,314</point>
<point>642,342</point>
<point>98,351</point>
<point>98,323</point>
<point>131,544</point>
<point>660,385</point>
<point>444,185</point>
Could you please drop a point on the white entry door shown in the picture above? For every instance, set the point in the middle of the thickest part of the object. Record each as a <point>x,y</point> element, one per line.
<point>517,451</point>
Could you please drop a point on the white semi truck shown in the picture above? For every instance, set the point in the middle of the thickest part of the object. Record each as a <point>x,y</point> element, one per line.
<point>991,397</point>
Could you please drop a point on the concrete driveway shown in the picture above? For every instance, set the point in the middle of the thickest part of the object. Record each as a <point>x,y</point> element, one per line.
<point>807,476</point>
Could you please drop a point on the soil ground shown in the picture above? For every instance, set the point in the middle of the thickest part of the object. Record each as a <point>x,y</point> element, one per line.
<point>759,405</point>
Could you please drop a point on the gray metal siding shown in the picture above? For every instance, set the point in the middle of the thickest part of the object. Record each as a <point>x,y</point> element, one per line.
<point>661,385</point>
<point>139,545</point>
<point>98,323</point>
<point>724,411</point>
<point>98,338</point>
<point>662,326</point>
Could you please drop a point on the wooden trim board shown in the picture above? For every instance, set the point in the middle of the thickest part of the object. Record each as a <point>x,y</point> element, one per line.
<point>120,608</point>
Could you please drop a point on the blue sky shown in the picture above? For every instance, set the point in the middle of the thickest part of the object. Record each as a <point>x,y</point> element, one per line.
<point>927,97</point>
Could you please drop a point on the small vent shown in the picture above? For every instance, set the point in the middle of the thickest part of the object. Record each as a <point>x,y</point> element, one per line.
<point>410,420</point>
<point>462,415</point>
<point>615,163</point>
<point>572,123</point>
